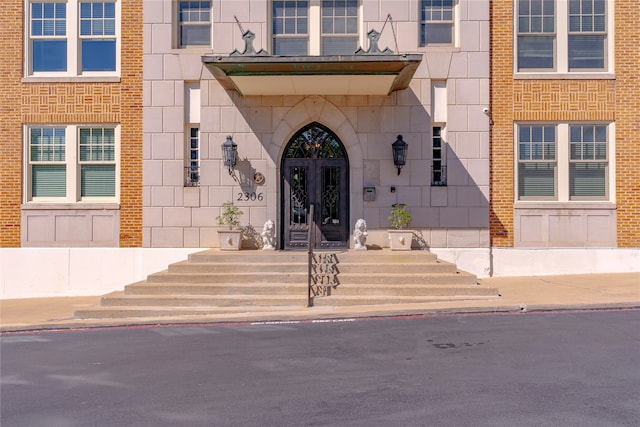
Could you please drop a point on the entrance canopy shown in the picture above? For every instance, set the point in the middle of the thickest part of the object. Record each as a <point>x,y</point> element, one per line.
<point>314,75</point>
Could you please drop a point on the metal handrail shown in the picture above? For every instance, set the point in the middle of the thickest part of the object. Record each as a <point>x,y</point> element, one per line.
<point>310,253</point>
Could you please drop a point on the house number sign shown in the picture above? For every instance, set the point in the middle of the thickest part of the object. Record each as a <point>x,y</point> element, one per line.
<point>250,196</point>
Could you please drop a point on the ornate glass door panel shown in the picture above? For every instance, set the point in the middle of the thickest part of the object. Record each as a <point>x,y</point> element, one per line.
<point>331,200</point>
<point>296,197</point>
<point>315,171</point>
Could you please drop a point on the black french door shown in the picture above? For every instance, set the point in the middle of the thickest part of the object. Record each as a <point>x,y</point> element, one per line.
<point>315,172</point>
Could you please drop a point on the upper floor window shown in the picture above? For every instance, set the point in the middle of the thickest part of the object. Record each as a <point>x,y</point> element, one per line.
<point>72,163</point>
<point>564,161</point>
<point>290,27</point>
<point>315,27</point>
<point>73,38</point>
<point>562,36</point>
<point>98,36</point>
<point>339,27</point>
<point>587,34</point>
<point>436,22</point>
<point>194,22</point>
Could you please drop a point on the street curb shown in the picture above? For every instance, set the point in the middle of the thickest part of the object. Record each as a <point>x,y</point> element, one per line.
<point>262,317</point>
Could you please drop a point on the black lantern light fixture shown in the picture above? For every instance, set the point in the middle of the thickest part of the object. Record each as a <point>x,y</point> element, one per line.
<point>229,153</point>
<point>399,153</point>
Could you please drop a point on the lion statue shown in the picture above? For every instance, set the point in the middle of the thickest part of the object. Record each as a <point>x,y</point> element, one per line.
<point>360,235</point>
<point>268,236</point>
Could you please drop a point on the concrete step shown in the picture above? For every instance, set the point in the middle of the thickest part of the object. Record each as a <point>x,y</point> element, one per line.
<point>251,256</point>
<point>234,267</point>
<point>237,277</point>
<point>172,301</point>
<point>159,312</point>
<point>218,282</point>
<point>178,288</point>
<point>386,256</point>
<point>248,257</point>
<point>186,267</point>
<point>413,290</point>
<point>458,278</point>
<point>340,300</point>
<point>397,269</point>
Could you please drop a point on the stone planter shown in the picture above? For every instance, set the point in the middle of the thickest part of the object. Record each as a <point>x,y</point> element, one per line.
<point>400,240</point>
<point>230,240</point>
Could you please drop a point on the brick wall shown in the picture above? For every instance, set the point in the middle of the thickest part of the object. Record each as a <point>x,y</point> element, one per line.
<point>627,103</point>
<point>10,129</point>
<point>566,100</point>
<point>501,146</point>
<point>77,102</point>
<point>131,122</point>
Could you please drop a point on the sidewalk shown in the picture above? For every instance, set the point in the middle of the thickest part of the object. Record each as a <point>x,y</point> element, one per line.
<point>518,294</point>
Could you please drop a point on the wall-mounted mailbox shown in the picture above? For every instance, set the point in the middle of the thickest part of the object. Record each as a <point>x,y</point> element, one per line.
<point>369,194</point>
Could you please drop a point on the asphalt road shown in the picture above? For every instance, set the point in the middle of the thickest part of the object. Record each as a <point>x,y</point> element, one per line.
<point>554,369</point>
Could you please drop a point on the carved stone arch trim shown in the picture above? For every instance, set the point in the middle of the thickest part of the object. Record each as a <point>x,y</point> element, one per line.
<point>316,109</point>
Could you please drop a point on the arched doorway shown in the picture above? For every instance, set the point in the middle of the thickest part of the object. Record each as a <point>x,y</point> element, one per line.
<point>315,170</point>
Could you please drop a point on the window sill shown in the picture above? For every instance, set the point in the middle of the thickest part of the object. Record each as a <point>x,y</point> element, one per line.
<point>202,50</point>
<point>564,76</point>
<point>69,206</point>
<point>68,79</point>
<point>591,205</point>
<point>429,49</point>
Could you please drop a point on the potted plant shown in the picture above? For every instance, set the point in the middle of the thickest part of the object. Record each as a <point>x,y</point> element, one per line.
<point>400,218</point>
<point>230,236</point>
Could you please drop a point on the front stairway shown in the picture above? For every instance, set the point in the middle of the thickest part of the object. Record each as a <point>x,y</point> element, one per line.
<point>219,282</point>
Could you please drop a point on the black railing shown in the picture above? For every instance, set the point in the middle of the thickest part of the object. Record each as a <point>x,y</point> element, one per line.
<point>191,176</point>
<point>310,254</point>
<point>439,176</point>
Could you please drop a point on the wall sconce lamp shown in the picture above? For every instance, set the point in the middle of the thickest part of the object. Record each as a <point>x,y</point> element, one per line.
<point>399,153</point>
<point>229,153</point>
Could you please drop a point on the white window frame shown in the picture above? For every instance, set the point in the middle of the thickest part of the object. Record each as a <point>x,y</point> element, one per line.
<point>455,28</point>
<point>190,164</point>
<point>314,27</point>
<point>563,160</point>
<point>72,163</point>
<point>74,42</point>
<point>442,182</point>
<point>561,47</point>
<point>177,42</point>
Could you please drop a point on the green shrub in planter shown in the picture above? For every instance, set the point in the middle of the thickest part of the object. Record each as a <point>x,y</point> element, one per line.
<point>229,215</point>
<point>400,216</point>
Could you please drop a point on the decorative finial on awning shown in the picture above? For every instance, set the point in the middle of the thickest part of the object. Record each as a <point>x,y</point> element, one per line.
<point>248,37</point>
<point>374,37</point>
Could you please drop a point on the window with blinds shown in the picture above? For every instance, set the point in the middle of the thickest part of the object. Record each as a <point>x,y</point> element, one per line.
<point>587,34</point>
<point>339,27</point>
<point>290,27</point>
<point>97,162</point>
<point>47,155</point>
<point>194,22</point>
<point>537,167</point>
<point>71,163</point>
<point>563,35</point>
<point>437,22</point>
<point>588,162</point>
<point>315,27</point>
<point>564,161</point>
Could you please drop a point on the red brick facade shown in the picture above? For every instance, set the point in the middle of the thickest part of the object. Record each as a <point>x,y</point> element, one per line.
<point>47,102</point>
<point>613,100</point>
